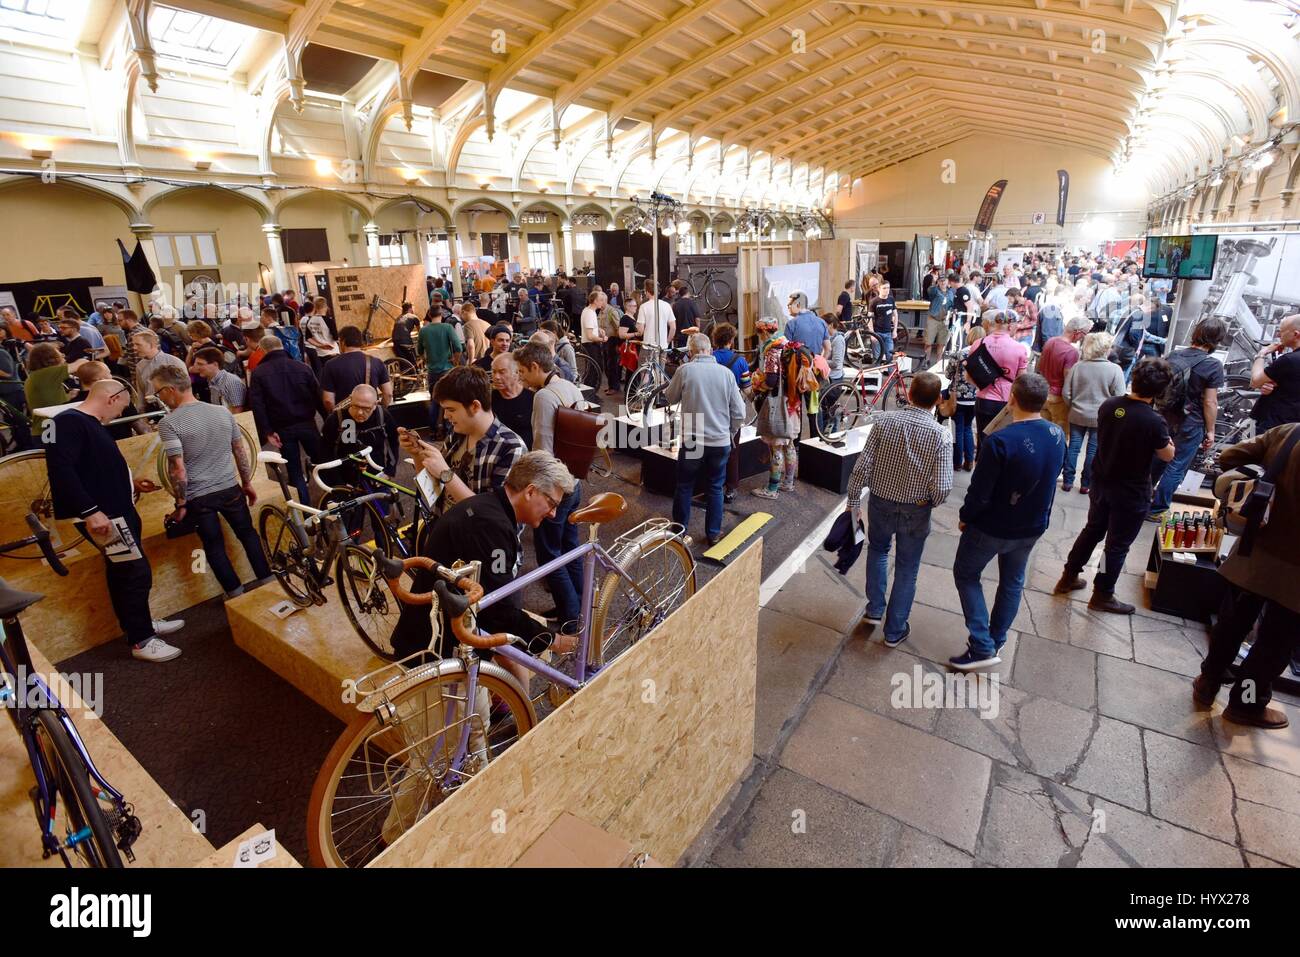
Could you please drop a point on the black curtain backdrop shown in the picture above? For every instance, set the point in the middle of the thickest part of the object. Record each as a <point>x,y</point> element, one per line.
<point>611,245</point>
<point>45,296</point>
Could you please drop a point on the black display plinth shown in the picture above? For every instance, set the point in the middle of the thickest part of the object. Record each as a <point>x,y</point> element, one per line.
<point>1192,590</point>
<point>659,466</point>
<point>829,466</point>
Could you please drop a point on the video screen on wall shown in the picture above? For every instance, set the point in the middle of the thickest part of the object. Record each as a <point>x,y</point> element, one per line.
<point>1180,257</point>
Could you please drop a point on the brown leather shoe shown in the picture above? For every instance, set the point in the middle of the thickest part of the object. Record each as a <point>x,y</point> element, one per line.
<point>1204,691</point>
<point>1069,583</point>
<point>1270,718</point>
<point>968,466</point>
<point>1102,602</point>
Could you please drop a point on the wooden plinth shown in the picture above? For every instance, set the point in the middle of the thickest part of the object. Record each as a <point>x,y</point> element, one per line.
<point>314,649</point>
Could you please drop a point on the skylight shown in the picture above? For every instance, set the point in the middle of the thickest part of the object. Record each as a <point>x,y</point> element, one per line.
<point>193,37</point>
<point>49,18</point>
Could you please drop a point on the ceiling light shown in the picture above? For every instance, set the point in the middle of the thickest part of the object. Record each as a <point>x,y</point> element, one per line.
<point>1218,180</point>
<point>409,175</point>
<point>203,164</point>
<point>324,167</point>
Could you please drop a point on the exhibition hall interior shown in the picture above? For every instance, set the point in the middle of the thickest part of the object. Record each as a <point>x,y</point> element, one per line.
<point>706,433</point>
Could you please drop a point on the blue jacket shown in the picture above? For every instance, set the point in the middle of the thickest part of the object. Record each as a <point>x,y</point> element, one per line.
<point>1014,483</point>
<point>283,392</point>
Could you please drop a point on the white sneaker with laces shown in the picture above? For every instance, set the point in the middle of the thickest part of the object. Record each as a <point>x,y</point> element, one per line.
<point>155,649</point>
<point>162,627</point>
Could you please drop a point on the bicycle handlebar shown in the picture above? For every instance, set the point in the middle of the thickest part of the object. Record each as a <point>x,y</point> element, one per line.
<point>458,605</point>
<point>42,536</point>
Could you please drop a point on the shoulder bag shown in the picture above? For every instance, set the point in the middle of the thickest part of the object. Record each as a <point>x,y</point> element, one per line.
<point>577,436</point>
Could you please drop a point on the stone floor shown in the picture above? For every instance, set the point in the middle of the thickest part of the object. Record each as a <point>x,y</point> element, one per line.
<point>1097,755</point>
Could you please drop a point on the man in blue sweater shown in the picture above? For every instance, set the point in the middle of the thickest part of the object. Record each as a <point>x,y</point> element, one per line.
<point>1007,508</point>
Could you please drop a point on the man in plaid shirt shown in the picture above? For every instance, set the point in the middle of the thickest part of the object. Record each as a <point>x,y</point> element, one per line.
<point>907,466</point>
<point>481,450</point>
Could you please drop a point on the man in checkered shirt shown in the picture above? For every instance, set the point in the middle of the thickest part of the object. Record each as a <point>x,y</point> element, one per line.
<point>224,387</point>
<point>907,466</point>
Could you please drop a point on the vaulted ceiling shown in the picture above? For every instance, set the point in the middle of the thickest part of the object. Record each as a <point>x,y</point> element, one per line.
<point>840,84</point>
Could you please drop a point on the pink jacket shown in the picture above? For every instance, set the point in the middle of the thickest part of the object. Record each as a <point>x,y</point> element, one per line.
<point>1011,356</point>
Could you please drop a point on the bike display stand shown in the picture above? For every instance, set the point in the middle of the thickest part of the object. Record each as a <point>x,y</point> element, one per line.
<point>659,465</point>
<point>829,466</point>
<point>315,649</point>
<point>632,433</point>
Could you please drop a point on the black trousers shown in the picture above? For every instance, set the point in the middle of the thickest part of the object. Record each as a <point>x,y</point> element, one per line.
<point>208,511</point>
<point>986,410</point>
<point>1275,639</point>
<point>1116,519</point>
<point>129,584</point>
<point>596,353</point>
<point>613,369</point>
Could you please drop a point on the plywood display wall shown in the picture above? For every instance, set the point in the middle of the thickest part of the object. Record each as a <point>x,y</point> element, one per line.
<point>647,751</point>
<point>352,289</point>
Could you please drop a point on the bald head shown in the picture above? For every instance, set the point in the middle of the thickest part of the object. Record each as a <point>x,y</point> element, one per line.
<point>365,393</point>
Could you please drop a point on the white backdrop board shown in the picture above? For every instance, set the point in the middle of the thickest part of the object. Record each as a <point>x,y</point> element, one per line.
<point>779,282</point>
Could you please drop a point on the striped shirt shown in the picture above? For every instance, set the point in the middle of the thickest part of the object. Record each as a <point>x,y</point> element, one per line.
<point>485,467</point>
<point>203,435</point>
<point>907,458</point>
<point>228,390</point>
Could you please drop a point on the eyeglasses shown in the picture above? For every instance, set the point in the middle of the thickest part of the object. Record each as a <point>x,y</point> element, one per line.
<point>553,502</point>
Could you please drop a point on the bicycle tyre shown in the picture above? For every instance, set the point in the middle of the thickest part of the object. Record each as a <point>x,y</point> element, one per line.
<point>25,487</point>
<point>613,604</point>
<point>718,295</point>
<point>71,779</point>
<point>639,389</point>
<point>864,347</point>
<point>286,549</point>
<point>368,602</point>
<point>588,370</point>
<point>404,376</point>
<point>902,340</point>
<point>371,520</point>
<point>841,411</point>
<point>365,733</point>
<point>897,396</point>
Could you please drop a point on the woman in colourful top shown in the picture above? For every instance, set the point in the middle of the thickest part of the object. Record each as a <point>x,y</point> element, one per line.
<point>1011,356</point>
<point>780,420</point>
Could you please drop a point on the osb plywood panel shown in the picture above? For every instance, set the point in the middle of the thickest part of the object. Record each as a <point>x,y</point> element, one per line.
<point>77,613</point>
<point>168,839</point>
<point>353,288</point>
<point>646,751</point>
<point>315,649</point>
<point>225,857</point>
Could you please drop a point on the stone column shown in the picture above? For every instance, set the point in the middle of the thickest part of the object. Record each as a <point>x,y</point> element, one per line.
<point>453,247</point>
<point>566,231</point>
<point>372,243</point>
<point>279,271</point>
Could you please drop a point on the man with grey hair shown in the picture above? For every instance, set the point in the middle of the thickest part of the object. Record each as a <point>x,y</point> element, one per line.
<point>485,528</point>
<point>204,445</point>
<point>806,326</point>
<point>1059,354</point>
<point>150,359</point>
<point>711,411</point>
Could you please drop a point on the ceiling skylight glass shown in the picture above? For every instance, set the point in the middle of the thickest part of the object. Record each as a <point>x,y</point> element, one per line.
<point>194,37</point>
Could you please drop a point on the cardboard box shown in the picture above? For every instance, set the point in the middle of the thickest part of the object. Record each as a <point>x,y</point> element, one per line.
<point>572,842</point>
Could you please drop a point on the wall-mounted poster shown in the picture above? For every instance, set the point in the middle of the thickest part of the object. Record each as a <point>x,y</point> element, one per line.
<point>866,253</point>
<point>780,282</point>
<point>495,245</point>
<point>105,296</point>
<point>370,297</point>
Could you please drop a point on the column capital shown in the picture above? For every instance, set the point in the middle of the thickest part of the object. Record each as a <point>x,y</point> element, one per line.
<point>371,229</point>
<point>452,230</point>
<point>142,230</point>
<point>515,228</point>
<point>271,229</point>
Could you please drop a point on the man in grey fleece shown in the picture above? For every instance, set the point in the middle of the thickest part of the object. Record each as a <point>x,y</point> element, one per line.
<point>712,411</point>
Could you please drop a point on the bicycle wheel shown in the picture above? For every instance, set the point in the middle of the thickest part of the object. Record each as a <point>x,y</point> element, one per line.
<point>25,487</point>
<point>640,388</point>
<point>863,348</point>
<point>643,268</point>
<point>369,603</point>
<point>903,338</point>
<point>404,376</point>
<point>80,815</point>
<point>251,446</point>
<point>287,550</point>
<point>364,523</point>
<point>841,411</point>
<point>588,370</point>
<point>896,395</point>
<point>382,776</point>
<point>621,616</point>
<point>718,295</point>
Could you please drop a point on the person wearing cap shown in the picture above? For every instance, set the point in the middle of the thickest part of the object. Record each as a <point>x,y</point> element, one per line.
<point>499,338</point>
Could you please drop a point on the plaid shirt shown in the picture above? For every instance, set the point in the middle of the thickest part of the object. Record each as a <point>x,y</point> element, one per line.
<point>485,467</point>
<point>907,458</point>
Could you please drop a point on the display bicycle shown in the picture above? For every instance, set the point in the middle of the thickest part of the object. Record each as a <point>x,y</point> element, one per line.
<point>425,725</point>
<point>850,403</point>
<point>83,819</point>
<point>709,288</point>
<point>657,367</point>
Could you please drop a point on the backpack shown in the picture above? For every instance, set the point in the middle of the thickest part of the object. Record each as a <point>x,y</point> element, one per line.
<point>1051,321</point>
<point>1248,501</point>
<point>982,368</point>
<point>744,378</point>
<point>291,339</point>
<point>797,372</point>
<point>1172,403</point>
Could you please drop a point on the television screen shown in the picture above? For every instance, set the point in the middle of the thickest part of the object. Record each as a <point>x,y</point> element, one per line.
<point>1180,257</point>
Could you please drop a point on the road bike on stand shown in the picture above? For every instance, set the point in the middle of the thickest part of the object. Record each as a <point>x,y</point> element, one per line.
<point>426,725</point>
<point>850,403</point>
<point>83,819</point>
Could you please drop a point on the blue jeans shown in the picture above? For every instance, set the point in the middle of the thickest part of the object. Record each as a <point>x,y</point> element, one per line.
<point>1077,435</point>
<point>713,459</point>
<point>553,538</point>
<point>963,445</point>
<point>887,338</point>
<point>294,441</point>
<point>1167,475</point>
<point>910,524</point>
<point>976,550</point>
<point>208,511</point>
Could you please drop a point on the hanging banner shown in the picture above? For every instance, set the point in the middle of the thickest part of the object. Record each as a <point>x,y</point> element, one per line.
<point>779,282</point>
<point>1062,195</point>
<point>984,221</point>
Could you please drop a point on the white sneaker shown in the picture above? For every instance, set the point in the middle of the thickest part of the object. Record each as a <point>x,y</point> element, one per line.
<point>162,627</point>
<point>155,649</point>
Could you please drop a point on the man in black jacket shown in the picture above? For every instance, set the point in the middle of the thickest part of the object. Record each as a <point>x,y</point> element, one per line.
<point>91,482</point>
<point>485,528</point>
<point>285,397</point>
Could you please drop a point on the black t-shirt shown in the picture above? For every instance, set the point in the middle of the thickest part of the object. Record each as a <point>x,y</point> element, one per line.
<point>845,304</point>
<point>344,373</point>
<point>1207,373</point>
<point>686,312</point>
<point>515,414</point>
<point>1032,293</point>
<point>77,348</point>
<point>883,311</point>
<point>404,331</point>
<point>1074,271</point>
<point>1282,405</point>
<point>961,298</point>
<point>1129,433</point>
